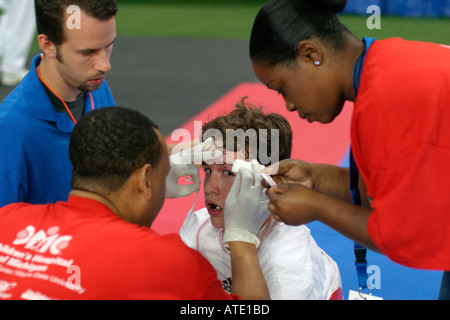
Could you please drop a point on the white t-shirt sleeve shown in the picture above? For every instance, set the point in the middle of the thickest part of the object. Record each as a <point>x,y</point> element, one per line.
<point>294,266</point>
<point>189,229</point>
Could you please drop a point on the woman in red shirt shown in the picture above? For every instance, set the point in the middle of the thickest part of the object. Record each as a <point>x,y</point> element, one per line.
<point>399,172</point>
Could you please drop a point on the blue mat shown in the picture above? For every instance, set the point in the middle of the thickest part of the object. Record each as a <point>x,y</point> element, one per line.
<point>396,282</point>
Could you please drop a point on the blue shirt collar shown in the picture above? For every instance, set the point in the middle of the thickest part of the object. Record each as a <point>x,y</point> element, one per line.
<point>39,102</point>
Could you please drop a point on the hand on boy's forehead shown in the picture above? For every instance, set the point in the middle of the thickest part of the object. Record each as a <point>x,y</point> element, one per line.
<point>228,157</point>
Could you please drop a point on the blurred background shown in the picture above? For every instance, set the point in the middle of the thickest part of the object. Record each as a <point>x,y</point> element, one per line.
<point>426,20</point>
<point>222,27</point>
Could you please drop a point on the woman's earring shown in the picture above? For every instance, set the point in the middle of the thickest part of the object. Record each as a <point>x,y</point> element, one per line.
<point>317,63</point>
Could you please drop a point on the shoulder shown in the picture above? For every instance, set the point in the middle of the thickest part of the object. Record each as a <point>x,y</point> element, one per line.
<point>16,216</point>
<point>145,264</point>
<point>12,106</point>
<point>280,243</point>
<point>398,83</point>
<point>25,105</point>
<point>293,264</point>
<point>283,243</point>
<point>191,225</point>
<point>403,58</point>
<point>194,220</point>
<point>280,232</point>
<point>141,241</point>
<point>399,44</point>
<point>14,208</point>
<point>167,254</point>
<point>201,215</point>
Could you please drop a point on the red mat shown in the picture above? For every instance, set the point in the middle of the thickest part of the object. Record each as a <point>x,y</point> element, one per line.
<point>312,142</point>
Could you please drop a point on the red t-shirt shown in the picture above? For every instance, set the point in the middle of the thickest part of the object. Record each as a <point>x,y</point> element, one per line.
<point>81,250</point>
<point>401,143</point>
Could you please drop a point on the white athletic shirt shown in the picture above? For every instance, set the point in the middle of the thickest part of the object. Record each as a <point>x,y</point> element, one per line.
<point>294,266</point>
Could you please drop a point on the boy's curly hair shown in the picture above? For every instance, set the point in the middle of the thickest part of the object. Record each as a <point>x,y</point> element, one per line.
<point>247,117</point>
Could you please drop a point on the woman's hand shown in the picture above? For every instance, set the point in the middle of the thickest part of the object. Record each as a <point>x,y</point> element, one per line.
<point>294,204</point>
<point>291,171</point>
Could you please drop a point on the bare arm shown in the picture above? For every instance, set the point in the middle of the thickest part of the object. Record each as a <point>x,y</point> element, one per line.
<point>295,205</point>
<point>244,214</point>
<point>326,179</point>
<point>248,279</point>
<point>334,181</point>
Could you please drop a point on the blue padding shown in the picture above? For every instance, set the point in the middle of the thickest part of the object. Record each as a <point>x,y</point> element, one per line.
<point>397,282</point>
<point>404,8</point>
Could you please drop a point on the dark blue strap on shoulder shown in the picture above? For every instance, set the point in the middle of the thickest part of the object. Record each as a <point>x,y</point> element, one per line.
<point>360,251</point>
<point>357,69</point>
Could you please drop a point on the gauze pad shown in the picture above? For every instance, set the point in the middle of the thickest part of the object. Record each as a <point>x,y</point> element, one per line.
<point>238,164</point>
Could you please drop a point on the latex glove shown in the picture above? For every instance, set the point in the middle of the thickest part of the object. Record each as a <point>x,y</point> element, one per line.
<point>246,206</point>
<point>291,171</point>
<point>175,190</point>
<point>204,151</point>
<point>182,165</point>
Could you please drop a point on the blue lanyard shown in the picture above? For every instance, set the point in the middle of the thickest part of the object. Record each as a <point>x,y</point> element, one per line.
<point>360,251</point>
<point>357,69</point>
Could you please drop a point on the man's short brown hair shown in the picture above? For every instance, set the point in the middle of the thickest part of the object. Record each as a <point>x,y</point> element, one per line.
<point>50,15</point>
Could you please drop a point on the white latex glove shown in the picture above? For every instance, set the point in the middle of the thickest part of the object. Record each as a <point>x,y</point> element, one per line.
<point>175,190</point>
<point>182,165</point>
<point>246,206</point>
<point>195,155</point>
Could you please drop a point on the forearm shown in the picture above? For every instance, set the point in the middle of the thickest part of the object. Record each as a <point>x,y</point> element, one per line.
<point>334,181</point>
<point>248,279</point>
<point>348,219</point>
<point>331,180</point>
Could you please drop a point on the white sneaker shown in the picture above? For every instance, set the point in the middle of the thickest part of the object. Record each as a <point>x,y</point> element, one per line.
<point>13,79</point>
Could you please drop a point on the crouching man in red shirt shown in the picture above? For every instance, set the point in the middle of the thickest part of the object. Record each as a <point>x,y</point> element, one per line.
<point>98,244</point>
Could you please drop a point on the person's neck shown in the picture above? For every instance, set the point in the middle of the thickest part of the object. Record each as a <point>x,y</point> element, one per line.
<point>97,197</point>
<point>53,80</point>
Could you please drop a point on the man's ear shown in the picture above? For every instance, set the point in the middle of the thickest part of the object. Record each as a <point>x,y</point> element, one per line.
<point>309,51</point>
<point>144,181</point>
<point>47,47</point>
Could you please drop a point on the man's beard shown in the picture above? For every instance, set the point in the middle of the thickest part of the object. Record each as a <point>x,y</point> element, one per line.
<point>83,87</point>
<point>86,88</point>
